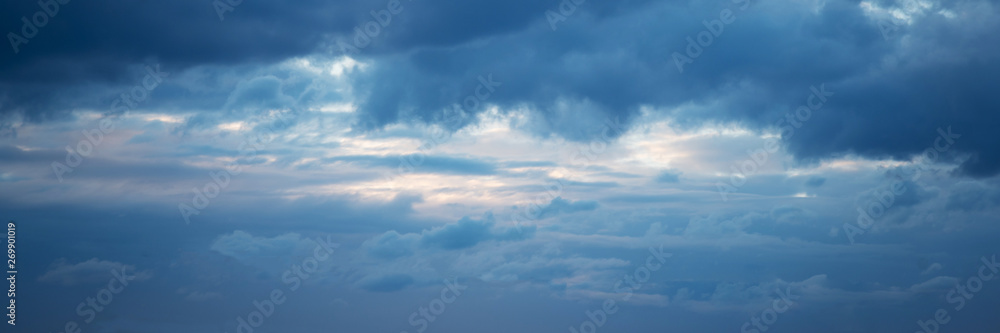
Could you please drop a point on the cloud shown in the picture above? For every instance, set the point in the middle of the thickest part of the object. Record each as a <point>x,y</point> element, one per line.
<point>391,245</point>
<point>464,233</point>
<point>931,269</point>
<point>199,296</point>
<point>936,284</point>
<point>601,63</point>
<point>972,196</point>
<point>242,245</point>
<point>556,271</point>
<point>610,61</point>
<point>93,271</point>
<point>669,176</point>
<point>420,163</point>
<point>815,181</point>
<point>272,254</point>
<point>558,206</point>
<point>386,283</point>
<point>716,225</point>
<point>913,194</point>
<point>787,214</point>
<point>262,92</point>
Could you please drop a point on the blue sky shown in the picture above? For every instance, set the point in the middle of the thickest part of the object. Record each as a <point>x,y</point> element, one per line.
<point>518,166</point>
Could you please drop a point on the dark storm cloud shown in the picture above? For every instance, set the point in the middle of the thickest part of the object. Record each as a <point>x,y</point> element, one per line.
<point>888,97</point>
<point>605,61</point>
<point>97,38</point>
<point>95,42</point>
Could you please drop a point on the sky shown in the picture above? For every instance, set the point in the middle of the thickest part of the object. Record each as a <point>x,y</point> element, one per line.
<point>578,166</point>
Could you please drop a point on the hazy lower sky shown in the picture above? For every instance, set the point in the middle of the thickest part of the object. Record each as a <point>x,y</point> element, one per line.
<point>456,166</point>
